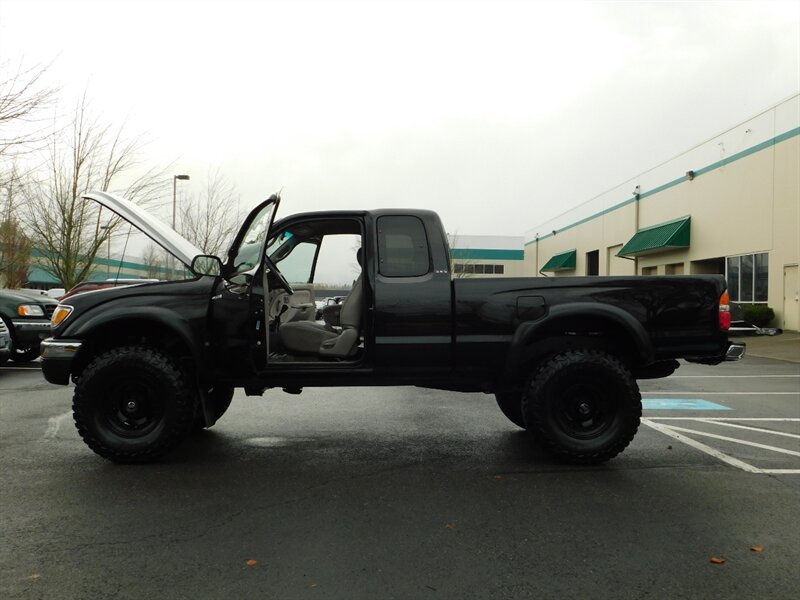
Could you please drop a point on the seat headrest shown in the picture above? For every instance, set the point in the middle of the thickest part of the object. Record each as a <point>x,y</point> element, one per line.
<point>360,257</point>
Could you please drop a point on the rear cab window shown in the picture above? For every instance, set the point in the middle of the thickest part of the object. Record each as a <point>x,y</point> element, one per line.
<point>402,247</point>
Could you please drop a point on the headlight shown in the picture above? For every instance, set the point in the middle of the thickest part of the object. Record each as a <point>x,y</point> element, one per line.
<point>60,315</point>
<point>30,310</point>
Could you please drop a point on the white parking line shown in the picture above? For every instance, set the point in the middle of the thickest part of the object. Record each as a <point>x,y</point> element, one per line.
<point>672,393</point>
<point>778,419</point>
<point>731,376</point>
<point>675,433</point>
<point>759,429</point>
<point>734,462</point>
<point>735,440</point>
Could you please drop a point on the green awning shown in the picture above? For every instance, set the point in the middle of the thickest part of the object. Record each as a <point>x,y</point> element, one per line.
<point>671,235</point>
<point>37,275</point>
<point>561,262</point>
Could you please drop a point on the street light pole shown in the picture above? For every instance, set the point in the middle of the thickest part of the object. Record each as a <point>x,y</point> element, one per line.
<point>107,227</point>
<point>174,205</point>
<point>175,193</point>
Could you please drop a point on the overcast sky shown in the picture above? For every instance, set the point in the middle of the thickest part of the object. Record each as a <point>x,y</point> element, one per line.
<point>497,115</point>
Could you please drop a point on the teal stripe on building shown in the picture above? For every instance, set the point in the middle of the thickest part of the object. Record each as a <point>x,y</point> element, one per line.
<point>486,254</point>
<point>697,173</point>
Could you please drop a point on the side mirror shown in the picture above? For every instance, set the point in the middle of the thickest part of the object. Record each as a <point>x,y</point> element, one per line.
<point>205,264</point>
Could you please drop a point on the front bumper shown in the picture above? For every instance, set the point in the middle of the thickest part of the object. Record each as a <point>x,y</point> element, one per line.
<point>29,333</point>
<point>57,357</point>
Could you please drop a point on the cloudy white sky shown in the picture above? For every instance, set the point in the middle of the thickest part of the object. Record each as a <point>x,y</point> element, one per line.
<point>497,115</point>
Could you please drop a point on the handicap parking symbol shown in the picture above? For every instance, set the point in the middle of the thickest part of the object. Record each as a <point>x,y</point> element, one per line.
<point>681,404</point>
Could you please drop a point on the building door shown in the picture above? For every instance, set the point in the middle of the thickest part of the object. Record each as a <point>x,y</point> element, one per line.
<point>791,298</point>
<point>593,262</point>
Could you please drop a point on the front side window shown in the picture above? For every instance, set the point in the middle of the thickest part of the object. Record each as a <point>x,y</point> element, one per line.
<point>308,254</point>
<point>402,247</point>
<point>297,265</point>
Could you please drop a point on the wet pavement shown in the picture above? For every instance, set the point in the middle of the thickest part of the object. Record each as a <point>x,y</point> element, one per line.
<point>411,493</point>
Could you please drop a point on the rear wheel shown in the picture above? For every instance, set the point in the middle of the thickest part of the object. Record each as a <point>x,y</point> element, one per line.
<point>132,404</point>
<point>583,406</point>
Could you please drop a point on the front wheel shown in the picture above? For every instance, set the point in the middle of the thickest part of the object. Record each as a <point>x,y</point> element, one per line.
<point>18,354</point>
<point>583,406</point>
<point>132,404</point>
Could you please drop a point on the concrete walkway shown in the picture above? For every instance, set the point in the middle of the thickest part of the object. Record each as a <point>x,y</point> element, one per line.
<point>785,346</point>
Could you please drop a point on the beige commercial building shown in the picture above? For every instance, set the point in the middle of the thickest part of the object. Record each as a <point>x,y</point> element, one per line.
<point>487,255</point>
<point>730,206</point>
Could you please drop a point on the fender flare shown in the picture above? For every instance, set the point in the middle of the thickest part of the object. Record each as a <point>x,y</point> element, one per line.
<point>524,340</point>
<point>160,316</point>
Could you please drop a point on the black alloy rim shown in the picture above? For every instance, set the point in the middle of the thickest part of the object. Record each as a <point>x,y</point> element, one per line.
<point>134,409</point>
<point>584,411</point>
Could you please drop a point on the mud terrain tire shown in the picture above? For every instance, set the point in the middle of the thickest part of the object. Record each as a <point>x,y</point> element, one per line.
<point>583,406</point>
<point>132,404</point>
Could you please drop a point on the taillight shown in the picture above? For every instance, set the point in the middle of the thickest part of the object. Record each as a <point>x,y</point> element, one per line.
<point>724,312</point>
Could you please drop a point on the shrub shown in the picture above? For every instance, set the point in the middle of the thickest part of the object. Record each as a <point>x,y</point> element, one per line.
<point>759,315</point>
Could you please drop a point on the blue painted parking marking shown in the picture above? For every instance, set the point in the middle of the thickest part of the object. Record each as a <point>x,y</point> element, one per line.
<point>681,404</point>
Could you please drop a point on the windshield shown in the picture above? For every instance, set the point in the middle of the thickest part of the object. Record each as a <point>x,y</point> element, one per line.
<point>251,244</point>
<point>280,245</point>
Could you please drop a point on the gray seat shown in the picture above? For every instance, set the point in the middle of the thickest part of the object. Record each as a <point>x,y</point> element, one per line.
<point>308,337</point>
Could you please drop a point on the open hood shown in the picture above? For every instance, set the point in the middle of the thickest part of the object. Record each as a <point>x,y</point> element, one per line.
<point>159,232</point>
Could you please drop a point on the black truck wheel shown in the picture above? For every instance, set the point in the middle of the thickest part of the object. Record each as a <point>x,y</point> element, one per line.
<point>583,406</point>
<point>510,403</point>
<point>220,398</point>
<point>132,404</point>
<point>24,355</point>
<point>18,353</point>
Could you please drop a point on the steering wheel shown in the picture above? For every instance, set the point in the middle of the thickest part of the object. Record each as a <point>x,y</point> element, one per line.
<point>279,276</point>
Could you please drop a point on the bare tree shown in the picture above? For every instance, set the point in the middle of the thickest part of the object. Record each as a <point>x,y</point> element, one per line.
<point>465,267</point>
<point>15,247</point>
<point>211,220</point>
<point>23,95</point>
<point>86,155</point>
<point>155,261</point>
<point>15,254</point>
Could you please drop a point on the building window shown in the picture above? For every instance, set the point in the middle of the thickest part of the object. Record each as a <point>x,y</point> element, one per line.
<point>674,269</point>
<point>748,277</point>
<point>649,270</point>
<point>475,269</point>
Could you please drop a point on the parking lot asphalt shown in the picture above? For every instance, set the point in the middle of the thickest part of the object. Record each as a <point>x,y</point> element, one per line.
<point>411,493</point>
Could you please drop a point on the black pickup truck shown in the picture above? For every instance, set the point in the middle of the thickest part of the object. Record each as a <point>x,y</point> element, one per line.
<point>152,362</point>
